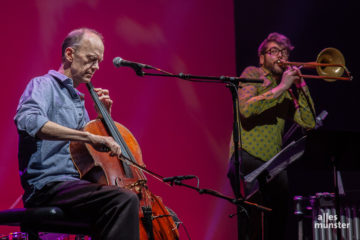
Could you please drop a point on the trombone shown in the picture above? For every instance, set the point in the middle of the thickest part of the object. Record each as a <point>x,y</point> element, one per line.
<point>330,66</point>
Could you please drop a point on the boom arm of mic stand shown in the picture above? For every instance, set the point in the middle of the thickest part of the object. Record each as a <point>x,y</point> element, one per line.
<point>223,79</point>
<point>219,195</point>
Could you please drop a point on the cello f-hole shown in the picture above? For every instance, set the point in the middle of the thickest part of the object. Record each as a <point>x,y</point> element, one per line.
<point>117,181</point>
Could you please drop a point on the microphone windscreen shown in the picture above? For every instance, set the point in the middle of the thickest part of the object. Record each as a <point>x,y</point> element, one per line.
<point>117,61</point>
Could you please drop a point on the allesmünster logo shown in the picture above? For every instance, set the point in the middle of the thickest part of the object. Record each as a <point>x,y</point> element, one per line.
<point>327,220</point>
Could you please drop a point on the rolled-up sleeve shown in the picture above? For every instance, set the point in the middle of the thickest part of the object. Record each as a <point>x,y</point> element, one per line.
<point>304,115</point>
<point>31,113</point>
<point>251,102</point>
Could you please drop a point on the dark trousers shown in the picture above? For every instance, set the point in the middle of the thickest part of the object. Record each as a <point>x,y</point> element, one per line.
<point>274,195</point>
<point>113,211</point>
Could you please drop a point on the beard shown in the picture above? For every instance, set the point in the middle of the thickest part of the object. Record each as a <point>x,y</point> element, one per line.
<point>274,68</point>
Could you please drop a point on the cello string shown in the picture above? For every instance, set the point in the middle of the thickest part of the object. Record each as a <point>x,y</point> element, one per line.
<point>107,119</point>
<point>128,160</point>
<point>110,123</point>
<point>151,173</point>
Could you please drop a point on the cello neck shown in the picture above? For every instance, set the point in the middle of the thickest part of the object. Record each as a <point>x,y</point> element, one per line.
<point>112,129</point>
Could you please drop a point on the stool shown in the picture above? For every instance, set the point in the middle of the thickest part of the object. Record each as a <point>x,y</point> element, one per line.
<point>44,219</point>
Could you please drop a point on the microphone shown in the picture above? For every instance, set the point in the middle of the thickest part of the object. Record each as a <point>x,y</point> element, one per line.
<point>119,62</point>
<point>171,179</point>
<point>320,118</point>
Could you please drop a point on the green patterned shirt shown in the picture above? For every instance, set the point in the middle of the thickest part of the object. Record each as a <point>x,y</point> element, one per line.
<point>263,116</point>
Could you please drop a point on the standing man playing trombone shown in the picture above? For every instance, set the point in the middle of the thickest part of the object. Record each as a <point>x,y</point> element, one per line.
<point>263,111</point>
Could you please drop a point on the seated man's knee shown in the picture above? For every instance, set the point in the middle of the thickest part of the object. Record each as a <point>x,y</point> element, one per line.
<point>128,196</point>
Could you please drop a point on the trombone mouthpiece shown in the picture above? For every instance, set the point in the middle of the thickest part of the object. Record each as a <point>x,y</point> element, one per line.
<point>281,63</point>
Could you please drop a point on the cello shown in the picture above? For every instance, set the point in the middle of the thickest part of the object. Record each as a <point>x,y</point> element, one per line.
<point>157,222</point>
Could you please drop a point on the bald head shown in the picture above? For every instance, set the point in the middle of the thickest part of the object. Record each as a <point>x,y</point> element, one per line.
<point>74,38</point>
<point>83,50</point>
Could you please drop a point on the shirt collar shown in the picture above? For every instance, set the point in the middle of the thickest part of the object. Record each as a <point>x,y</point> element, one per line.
<point>67,82</point>
<point>266,72</point>
<point>269,76</point>
<point>59,76</point>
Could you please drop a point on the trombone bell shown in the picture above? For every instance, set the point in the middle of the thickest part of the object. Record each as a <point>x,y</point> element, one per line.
<point>330,66</point>
<point>330,56</point>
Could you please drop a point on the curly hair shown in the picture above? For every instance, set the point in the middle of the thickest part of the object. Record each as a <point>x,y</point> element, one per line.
<point>278,38</point>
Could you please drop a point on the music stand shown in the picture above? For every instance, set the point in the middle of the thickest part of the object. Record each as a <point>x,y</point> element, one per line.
<point>269,170</point>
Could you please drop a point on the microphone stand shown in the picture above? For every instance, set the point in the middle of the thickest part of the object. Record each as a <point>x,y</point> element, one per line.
<point>236,201</point>
<point>337,194</point>
<point>233,84</point>
<point>236,139</point>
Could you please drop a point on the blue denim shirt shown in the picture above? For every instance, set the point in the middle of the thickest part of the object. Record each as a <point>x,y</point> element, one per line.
<point>51,97</point>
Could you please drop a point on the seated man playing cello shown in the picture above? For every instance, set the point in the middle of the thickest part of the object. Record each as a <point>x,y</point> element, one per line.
<point>50,114</point>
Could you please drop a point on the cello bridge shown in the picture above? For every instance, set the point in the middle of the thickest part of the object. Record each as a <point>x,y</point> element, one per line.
<point>137,185</point>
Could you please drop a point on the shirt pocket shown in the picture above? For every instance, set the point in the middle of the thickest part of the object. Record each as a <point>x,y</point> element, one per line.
<point>66,115</point>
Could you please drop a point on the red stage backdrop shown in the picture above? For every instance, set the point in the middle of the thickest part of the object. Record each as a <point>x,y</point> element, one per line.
<point>182,127</point>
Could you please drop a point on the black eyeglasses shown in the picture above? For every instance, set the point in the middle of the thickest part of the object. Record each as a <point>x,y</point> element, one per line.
<point>274,51</point>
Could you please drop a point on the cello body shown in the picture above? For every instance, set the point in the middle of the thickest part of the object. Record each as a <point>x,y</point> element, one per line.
<point>156,221</point>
